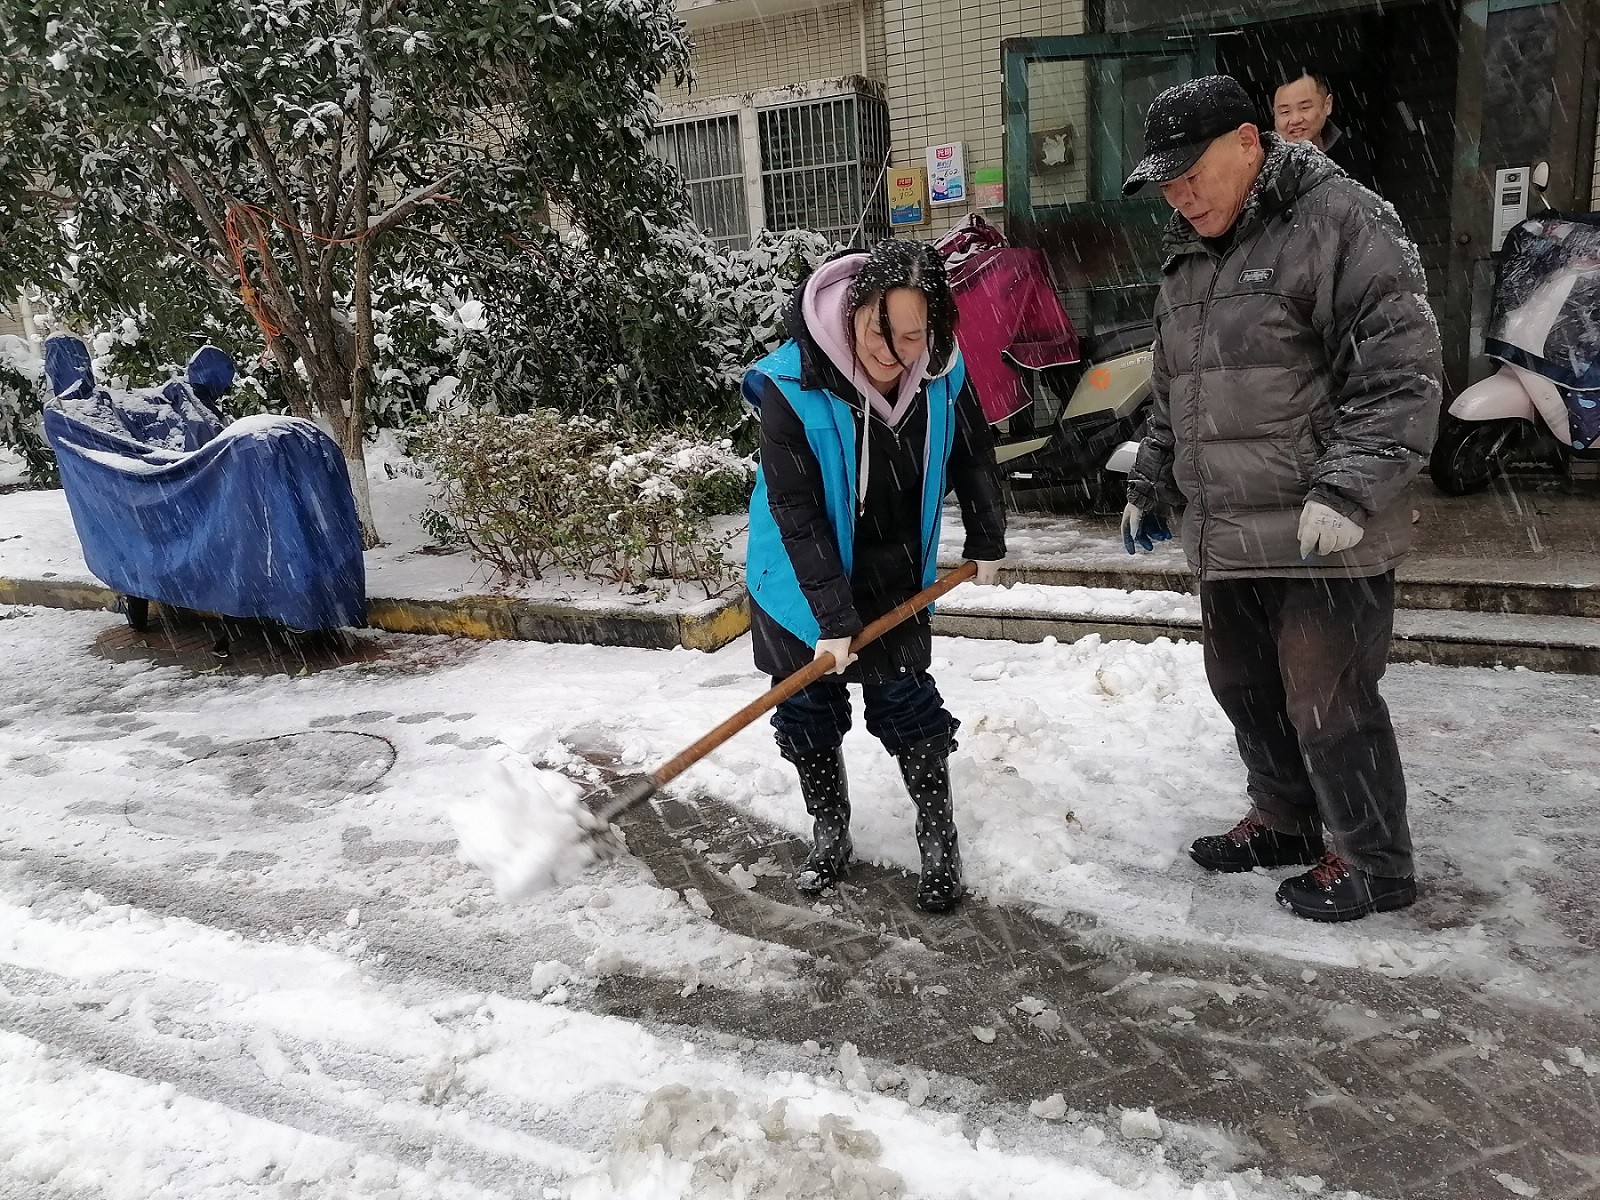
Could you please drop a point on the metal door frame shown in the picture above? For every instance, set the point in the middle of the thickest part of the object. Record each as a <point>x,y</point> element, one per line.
<point>1017,54</point>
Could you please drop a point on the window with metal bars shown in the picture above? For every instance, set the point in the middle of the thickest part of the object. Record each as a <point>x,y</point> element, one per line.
<point>822,165</point>
<point>707,157</point>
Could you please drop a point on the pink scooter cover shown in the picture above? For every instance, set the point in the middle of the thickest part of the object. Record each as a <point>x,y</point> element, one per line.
<point>1010,317</point>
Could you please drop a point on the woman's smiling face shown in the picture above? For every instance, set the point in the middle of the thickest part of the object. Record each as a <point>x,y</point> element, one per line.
<point>885,354</point>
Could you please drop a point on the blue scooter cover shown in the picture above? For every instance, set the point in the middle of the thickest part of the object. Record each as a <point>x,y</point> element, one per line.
<point>253,520</point>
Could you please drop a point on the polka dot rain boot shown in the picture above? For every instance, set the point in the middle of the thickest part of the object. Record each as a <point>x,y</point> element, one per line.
<point>925,768</point>
<point>827,797</point>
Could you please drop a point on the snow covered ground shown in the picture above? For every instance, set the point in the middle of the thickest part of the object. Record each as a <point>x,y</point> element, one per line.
<point>1054,540</point>
<point>1051,600</point>
<point>239,955</point>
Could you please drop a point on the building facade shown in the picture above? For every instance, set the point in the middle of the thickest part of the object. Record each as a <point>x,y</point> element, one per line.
<point>794,108</point>
<point>811,102</point>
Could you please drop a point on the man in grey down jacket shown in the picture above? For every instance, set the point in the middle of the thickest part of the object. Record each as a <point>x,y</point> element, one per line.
<point>1297,383</point>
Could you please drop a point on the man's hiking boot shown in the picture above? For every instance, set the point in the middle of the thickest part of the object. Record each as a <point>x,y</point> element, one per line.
<point>1250,844</point>
<point>1333,890</point>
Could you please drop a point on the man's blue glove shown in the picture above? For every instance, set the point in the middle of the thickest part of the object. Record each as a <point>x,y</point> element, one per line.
<point>1143,529</point>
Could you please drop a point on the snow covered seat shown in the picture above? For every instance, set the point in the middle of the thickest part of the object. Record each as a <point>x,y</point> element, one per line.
<point>253,519</point>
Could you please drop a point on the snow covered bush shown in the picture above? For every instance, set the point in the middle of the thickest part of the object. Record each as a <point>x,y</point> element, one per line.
<point>291,158</point>
<point>753,293</point>
<point>22,393</point>
<point>541,491</point>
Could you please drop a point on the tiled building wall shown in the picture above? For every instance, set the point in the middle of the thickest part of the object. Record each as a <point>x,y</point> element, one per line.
<point>1058,100</point>
<point>945,78</point>
<point>940,60</point>
<point>823,43</point>
<point>10,322</point>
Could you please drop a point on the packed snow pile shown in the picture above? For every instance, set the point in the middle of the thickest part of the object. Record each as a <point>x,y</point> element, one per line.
<point>12,469</point>
<point>711,1145</point>
<point>525,829</point>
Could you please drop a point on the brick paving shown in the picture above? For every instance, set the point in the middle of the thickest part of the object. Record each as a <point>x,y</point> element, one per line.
<point>1398,1087</point>
<point>1409,1088</point>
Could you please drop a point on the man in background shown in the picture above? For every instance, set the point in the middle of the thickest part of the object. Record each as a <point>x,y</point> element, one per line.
<point>1302,111</point>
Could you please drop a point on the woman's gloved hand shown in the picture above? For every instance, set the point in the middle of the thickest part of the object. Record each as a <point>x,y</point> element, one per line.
<point>1325,531</point>
<point>840,649</point>
<point>1143,529</point>
<point>988,571</point>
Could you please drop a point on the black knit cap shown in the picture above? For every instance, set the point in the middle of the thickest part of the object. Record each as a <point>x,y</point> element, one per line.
<point>1183,121</point>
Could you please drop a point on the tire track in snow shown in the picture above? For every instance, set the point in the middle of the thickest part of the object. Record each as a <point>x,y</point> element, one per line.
<point>319,1086</point>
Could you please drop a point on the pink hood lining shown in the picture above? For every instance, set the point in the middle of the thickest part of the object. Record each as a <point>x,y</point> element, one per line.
<point>823,304</point>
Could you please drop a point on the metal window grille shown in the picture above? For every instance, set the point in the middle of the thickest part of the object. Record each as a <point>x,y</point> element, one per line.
<point>1594,198</point>
<point>707,157</point>
<point>822,167</point>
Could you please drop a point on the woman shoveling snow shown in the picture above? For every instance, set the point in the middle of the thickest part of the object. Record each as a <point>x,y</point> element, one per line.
<point>867,421</point>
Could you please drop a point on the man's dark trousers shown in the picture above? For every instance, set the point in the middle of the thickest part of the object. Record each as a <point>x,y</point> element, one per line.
<point>1295,663</point>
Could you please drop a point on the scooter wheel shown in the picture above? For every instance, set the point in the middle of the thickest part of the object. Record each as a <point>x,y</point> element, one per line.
<point>136,611</point>
<point>1469,455</point>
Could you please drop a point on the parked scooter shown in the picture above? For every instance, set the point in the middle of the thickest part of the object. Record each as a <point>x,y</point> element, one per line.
<point>1108,401</point>
<point>1543,405</point>
<point>1061,405</point>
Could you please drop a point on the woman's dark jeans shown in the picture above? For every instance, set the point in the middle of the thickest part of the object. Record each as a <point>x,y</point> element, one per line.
<point>900,713</point>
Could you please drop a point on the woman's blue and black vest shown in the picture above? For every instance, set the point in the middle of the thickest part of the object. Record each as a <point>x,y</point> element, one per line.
<point>830,426</point>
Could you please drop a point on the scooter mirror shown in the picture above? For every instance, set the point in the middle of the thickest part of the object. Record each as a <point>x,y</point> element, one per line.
<point>1541,176</point>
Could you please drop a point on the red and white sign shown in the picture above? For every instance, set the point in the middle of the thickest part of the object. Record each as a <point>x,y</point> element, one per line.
<point>947,174</point>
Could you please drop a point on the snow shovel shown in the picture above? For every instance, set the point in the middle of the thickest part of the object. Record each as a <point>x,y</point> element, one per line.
<point>628,793</point>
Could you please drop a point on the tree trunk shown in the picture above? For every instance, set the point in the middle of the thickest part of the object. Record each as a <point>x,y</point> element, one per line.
<point>355,460</point>
<point>360,374</point>
<point>330,377</point>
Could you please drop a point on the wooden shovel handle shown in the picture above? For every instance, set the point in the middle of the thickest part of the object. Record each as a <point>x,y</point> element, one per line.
<point>808,675</point>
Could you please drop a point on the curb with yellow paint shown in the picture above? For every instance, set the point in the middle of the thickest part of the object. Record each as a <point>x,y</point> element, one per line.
<point>486,617</point>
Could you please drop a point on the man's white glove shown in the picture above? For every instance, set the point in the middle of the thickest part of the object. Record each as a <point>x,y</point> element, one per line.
<point>840,649</point>
<point>1324,531</point>
<point>988,572</point>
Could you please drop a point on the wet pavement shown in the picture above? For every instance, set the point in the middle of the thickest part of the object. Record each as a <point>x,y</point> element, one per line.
<point>1517,532</point>
<point>234,647</point>
<point>211,645</point>
<point>1395,1086</point>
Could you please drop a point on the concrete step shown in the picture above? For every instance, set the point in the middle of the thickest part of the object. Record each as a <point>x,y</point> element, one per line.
<point>1414,588</point>
<point>1033,612</point>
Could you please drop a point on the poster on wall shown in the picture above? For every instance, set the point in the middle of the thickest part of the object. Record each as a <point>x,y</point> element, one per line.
<point>908,197</point>
<point>947,174</point>
<point>989,187</point>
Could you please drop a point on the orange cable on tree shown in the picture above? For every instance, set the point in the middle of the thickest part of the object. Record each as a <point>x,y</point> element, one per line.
<point>240,213</point>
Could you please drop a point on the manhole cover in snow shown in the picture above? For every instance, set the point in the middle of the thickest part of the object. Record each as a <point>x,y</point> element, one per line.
<point>249,785</point>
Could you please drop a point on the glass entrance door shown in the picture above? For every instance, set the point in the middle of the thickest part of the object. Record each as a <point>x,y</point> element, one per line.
<point>1075,110</point>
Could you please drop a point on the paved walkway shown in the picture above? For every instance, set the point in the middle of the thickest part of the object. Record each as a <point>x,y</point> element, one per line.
<point>1522,531</point>
<point>1397,1087</point>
